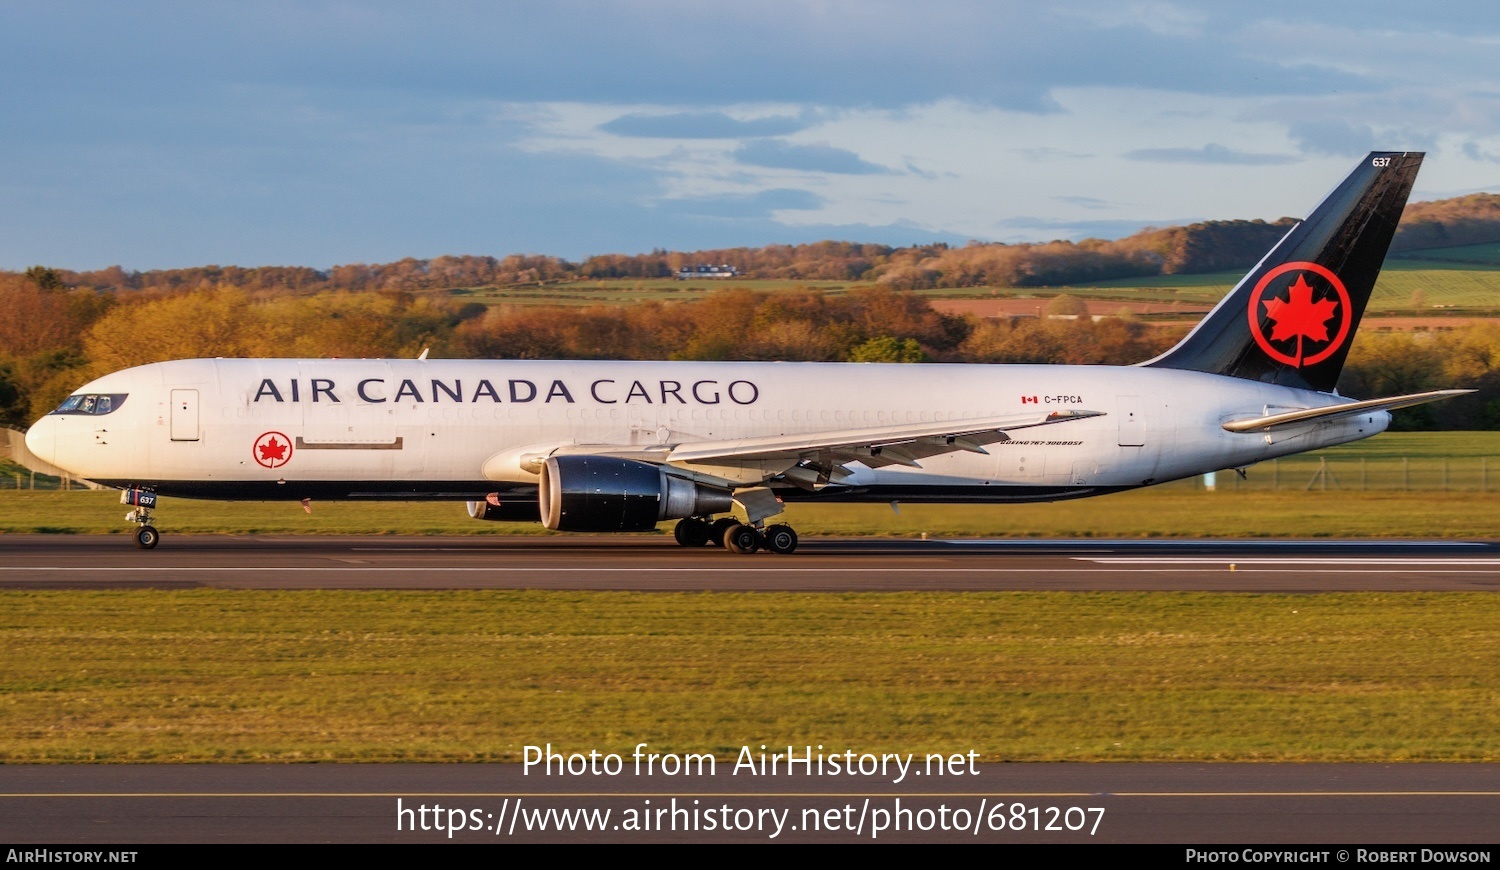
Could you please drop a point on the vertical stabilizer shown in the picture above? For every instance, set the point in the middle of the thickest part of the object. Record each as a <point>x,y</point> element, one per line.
<point>1292,319</point>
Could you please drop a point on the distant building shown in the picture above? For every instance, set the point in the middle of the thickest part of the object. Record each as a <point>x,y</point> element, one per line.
<point>705,271</point>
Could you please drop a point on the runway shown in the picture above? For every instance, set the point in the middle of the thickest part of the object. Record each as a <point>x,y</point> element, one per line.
<point>1350,805</point>
<point>655,563</point>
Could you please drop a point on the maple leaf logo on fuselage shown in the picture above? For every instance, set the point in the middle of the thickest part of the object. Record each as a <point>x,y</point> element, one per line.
<point>273,450</point>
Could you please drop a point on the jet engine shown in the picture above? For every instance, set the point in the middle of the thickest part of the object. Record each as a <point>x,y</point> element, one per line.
<point>581,493</point>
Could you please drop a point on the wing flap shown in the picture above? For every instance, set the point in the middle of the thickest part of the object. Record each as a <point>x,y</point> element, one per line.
<point>889,445</point>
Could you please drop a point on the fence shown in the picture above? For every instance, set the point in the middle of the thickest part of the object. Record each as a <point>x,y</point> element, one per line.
<point>19,469</point>
<point>1294,473</point>
<point>1476,474</point>
<point>29,480</point>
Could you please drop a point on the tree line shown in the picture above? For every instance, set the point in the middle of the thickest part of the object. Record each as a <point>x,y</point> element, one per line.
<point>53,339</point>
<point>1201,247</point>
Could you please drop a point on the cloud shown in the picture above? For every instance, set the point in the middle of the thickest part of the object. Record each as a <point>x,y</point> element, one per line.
<point>696,57</point>
<point>743,205</point>
<point>898,234</point>
<point>703,125</point>
<point>1166,19</point>
<point>1209,154</point>
<point>1031,229</point>
<point>776,154</point>
<point>578,127</point>
<point>1334,138</point>
<point>1039,155</point>
<point>1090,202</point>
<point>1474,152</point>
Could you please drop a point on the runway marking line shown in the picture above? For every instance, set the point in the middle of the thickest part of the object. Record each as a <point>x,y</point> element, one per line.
<point>756,794</point>
<point>1163,543</point>
<point>1274,560</point>
<point>1111,565</point>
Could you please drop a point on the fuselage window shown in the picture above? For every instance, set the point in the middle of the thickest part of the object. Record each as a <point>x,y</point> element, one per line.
<point>93,404</point>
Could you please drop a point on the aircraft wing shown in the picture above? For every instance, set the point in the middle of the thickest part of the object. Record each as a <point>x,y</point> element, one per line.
<point>1345,409</point>
<point>807,458</point>
<point>902,444</point>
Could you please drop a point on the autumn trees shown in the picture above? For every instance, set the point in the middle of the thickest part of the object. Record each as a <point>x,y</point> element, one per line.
<point>58,328</point>
<point>1462,220</point>
<point>52,340</point>
<point>1199,247</point>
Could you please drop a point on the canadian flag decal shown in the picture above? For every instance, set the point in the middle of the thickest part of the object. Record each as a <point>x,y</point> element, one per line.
<point>1028,400</point>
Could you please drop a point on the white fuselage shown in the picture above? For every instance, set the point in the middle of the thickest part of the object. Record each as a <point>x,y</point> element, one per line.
<point>247,428</point>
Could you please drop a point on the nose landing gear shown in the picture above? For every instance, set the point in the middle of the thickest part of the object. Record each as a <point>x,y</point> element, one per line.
<point>146,536</point>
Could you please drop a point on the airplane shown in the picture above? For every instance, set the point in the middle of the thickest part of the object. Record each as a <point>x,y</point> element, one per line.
<point>621,446</point>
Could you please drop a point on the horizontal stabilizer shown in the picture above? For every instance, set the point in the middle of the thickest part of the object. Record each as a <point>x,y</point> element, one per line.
<point>1342,410</point>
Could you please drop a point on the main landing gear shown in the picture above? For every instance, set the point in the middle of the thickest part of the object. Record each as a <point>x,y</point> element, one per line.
<point>734,536</point>
<point>146,535</point>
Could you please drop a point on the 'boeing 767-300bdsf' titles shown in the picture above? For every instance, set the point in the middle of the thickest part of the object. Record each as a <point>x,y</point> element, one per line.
<point>605,446</point>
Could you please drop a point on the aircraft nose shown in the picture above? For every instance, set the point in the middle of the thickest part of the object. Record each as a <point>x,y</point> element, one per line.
<point>41,440</point>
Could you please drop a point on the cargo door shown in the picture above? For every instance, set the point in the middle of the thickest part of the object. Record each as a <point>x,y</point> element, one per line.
<point>354,416</point>
<point>184,415</point>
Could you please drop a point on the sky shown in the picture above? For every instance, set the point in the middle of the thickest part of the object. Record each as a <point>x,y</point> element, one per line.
<point>158,135</point>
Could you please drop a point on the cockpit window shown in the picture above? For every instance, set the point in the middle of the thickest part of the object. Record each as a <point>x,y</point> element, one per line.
<point>93,404</point>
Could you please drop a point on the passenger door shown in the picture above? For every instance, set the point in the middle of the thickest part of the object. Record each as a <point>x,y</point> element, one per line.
<point>184,415</point>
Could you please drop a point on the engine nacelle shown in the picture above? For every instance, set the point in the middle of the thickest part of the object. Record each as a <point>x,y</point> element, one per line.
<point>581,493</point>
<point>492,508</point>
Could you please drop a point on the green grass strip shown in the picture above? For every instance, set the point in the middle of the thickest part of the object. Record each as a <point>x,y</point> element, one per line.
<point>1146,514</point>
<point>219,675</point>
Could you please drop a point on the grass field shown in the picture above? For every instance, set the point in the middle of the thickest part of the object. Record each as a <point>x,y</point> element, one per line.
<point>1183,512</point>
<point>1449,287</point>
<point>13,476</point>
<point>216,675</point>
<point>621,291</point>
<point>1459,288</point>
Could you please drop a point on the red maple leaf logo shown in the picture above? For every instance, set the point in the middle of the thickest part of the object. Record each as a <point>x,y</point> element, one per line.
<point>273,450</point>
<point>1299,317</point>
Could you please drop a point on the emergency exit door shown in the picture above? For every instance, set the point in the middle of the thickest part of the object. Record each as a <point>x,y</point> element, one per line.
<point>184,415</point>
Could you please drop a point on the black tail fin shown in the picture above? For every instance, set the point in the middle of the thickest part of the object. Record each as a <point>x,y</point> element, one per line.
<point>1291,320</point>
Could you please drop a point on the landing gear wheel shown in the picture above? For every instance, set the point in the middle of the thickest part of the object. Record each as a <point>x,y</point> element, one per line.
<point>742,539</point>
<point>717,529</point>
<point>781,539</point>
<point>691,532</point>
<point>147,537</point>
